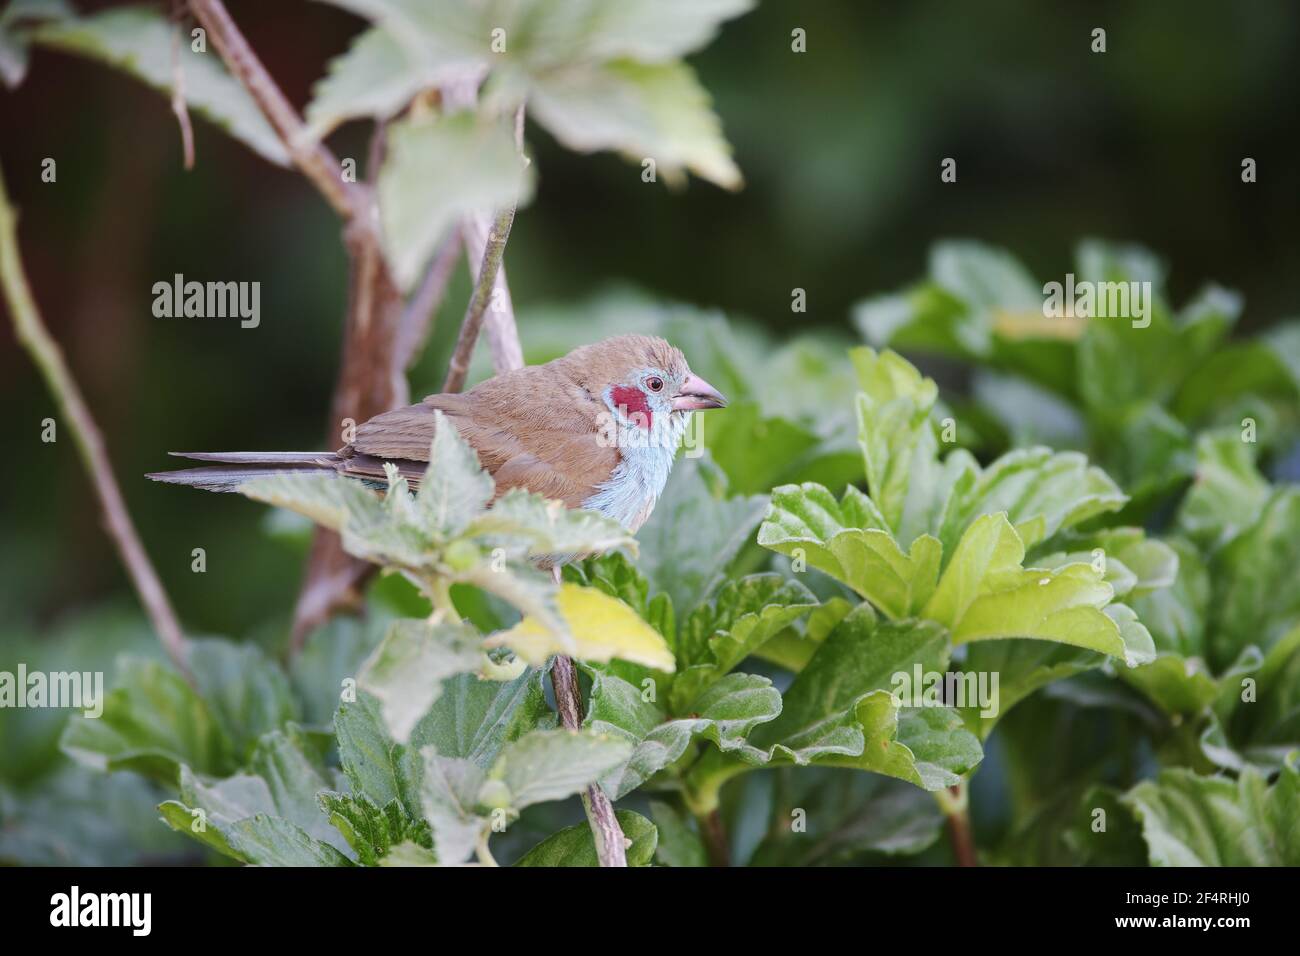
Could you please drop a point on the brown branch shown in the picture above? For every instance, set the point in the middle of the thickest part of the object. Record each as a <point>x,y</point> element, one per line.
<point>955,803</point>
<point>32,334</point>
<point>315,160</point>
<point>611,845</point>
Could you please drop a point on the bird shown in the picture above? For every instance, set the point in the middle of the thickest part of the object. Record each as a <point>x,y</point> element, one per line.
<point>596,429</point>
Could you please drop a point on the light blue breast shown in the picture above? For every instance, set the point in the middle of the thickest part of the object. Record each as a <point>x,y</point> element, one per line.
<point>630,492</point>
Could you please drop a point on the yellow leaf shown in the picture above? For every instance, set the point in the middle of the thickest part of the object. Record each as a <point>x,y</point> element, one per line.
<point>603,628</point>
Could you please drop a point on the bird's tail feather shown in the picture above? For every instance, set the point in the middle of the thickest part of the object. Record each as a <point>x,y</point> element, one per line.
<point>238,467</point>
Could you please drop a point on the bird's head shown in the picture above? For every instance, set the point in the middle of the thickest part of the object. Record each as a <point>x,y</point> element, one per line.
<point>643,381</point>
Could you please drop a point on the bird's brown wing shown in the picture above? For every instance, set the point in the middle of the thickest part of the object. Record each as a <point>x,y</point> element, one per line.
<point>532,428</point>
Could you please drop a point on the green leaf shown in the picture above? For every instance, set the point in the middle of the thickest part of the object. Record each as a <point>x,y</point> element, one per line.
<point>553,764</point>
<point>742,617</point>
<point>679,840</point>
<point>455,488</point>
<point>439,169</point>
<point>758,452</point>
<point>1022,666</point>
<point>474,718</point>
<point>1042,493</point>
<point>576,846</point>
<point>373,831</point>
<point>77,816</point>
<point>267,816</point>
<point>695,533</point>
<point>986,594</point>
<point>138,40</point>
<point>406,671</point>
<point>1178,685</point>
<point>378,767</point>
<point>334,654</point>
<point>152,723</point>
<point>898,444</point>
<point>549,528</point>
<point>849,540</point>
<point>246,693</point>
<point>846,815</point>
<point>725,713</point>
<point>655,111</point>
<point>1265,729</point>
<point>449,798</point>
<point>1176,615</point>
<point>1228,492</point>
<point>839,711</point>
<point>376,76</point>
<point>1256,595</point>
<point>1213,821</point>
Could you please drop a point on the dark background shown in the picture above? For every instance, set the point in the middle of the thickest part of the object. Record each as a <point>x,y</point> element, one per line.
<point>840,148</point>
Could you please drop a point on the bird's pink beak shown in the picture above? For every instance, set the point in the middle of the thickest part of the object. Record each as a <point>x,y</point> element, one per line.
<point>697,393</point>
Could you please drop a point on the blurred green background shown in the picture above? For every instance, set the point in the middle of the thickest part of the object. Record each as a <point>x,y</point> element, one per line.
<point>840,147</point>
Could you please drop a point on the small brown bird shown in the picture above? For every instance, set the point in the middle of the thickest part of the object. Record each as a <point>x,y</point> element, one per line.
<point>598,429</point>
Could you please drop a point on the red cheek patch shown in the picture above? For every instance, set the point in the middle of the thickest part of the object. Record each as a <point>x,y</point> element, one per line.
<point>632,403</point>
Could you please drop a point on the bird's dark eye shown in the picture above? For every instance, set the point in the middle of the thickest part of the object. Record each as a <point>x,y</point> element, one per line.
<point>654,383</point>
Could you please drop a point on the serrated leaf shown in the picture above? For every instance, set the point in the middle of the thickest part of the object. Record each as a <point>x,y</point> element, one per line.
<point>1189,820</point>
<point>439,169</point>
<point>406,671</point>
<point>246,693</point>
<point>602,627</point>
<point>376,76</point>
<point>985,594</point>
<point>378,767</point>
<point>1256,581</point>
<point>725,714</point>
<point>840,711</point>
<point>138,40</point>
<point>742,617</point>
<point>372,831</point>
<point>449,798</point>
<point>898,445</point>
<point>473,718</point>
<point>455,488</point>
<point>1041,491</point>
<point>576,845</point>
<point>850,541</point>
<point>267,816</point>
<point>1228,492</point>
<point>549,528</point>
<point>153,723</point>
<point>553,764</point>
<point>653,111</point>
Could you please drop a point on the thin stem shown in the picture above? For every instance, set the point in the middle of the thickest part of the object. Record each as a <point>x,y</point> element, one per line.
<point>33,335</point>
<point>955,804</point>
<point>493,251</point>
<point>317,163</point>
<point>611,845</point>
<point>714,834</point>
